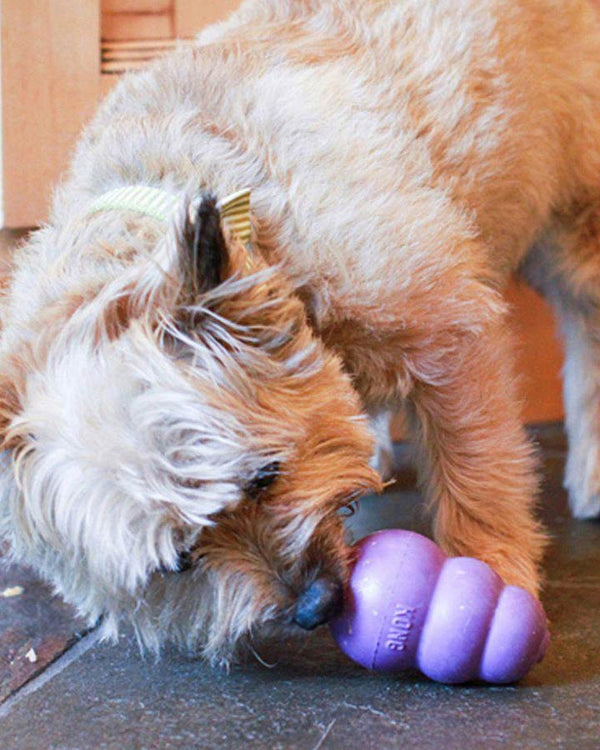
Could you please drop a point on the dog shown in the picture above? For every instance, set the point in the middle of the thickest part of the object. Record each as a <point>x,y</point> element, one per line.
<point>185,413</point>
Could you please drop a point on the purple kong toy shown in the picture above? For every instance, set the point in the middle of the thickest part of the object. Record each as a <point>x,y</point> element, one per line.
<point>408,605</point>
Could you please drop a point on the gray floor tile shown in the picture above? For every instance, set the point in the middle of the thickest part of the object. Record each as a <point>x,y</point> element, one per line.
<point>314,697</point>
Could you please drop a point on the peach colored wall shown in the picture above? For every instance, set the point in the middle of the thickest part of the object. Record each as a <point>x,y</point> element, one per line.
<point>539,354</point>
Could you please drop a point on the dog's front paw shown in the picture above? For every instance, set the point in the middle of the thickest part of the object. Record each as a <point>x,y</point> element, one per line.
<point>517,569</point>
<point>517,561</point>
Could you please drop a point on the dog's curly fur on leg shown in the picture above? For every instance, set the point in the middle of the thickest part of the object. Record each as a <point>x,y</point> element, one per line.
<point>179,442</point>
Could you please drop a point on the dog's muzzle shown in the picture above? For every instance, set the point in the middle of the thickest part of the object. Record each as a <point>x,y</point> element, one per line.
<point>319,603</point>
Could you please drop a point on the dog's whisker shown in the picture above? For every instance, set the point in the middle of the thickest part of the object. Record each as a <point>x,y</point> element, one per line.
<point>260,660</point>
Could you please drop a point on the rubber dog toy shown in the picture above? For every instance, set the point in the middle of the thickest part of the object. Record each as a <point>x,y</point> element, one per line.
<point>409,606</point>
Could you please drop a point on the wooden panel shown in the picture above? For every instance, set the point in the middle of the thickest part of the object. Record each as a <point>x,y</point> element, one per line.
<point>50,86</point>
<point>191,15</point>
<point>137,19</point>
<point>121,56</point>
<point>136,6</point>
<point>137,25</point>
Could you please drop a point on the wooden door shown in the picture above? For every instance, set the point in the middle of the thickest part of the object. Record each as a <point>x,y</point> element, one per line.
<point>50,85</point>
<point>58,58</point>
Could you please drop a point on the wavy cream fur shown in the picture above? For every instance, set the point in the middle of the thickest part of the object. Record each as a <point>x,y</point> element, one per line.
<point>404,159</point>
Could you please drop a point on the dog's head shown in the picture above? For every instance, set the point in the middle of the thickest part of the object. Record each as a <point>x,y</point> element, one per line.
<point>182,444</point>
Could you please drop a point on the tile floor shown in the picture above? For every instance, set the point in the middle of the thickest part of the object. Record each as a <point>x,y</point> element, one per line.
<point>60,688</point>
<point>97,696</point>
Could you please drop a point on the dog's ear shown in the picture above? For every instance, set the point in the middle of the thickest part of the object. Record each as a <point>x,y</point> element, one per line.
<point>208,262</point>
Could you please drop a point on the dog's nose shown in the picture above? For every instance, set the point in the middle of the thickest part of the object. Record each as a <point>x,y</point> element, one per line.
<point>319,603</point>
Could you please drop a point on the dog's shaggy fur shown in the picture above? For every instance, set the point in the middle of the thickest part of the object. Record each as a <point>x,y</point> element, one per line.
<point>404,159</point>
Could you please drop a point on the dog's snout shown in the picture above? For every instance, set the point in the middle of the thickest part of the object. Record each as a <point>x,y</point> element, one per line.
<point>318,603</point>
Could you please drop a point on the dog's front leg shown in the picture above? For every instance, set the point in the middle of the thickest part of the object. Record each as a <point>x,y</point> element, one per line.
<point>476,464</point>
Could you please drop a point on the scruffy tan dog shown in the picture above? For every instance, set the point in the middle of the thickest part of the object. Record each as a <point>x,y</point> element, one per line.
<point>184,416</point>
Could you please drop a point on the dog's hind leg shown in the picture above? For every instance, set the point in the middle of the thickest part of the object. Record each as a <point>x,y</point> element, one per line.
<point>566,270</point>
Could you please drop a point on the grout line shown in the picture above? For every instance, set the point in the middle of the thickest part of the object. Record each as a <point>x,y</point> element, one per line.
<point>53,669</point>
<point>324,735</point>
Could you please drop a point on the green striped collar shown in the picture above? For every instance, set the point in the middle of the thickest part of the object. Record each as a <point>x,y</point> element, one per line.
<point>139,198</point>
<point>160,204</point>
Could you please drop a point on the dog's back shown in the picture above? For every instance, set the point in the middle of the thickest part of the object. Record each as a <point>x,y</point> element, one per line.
<point>390,109</point>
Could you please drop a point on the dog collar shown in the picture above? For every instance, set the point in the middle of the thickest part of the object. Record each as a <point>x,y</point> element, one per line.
<point>234,209</point>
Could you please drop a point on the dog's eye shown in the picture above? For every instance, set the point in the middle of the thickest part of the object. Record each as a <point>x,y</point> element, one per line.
<point>184,561</point>
<point>263,478</point>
